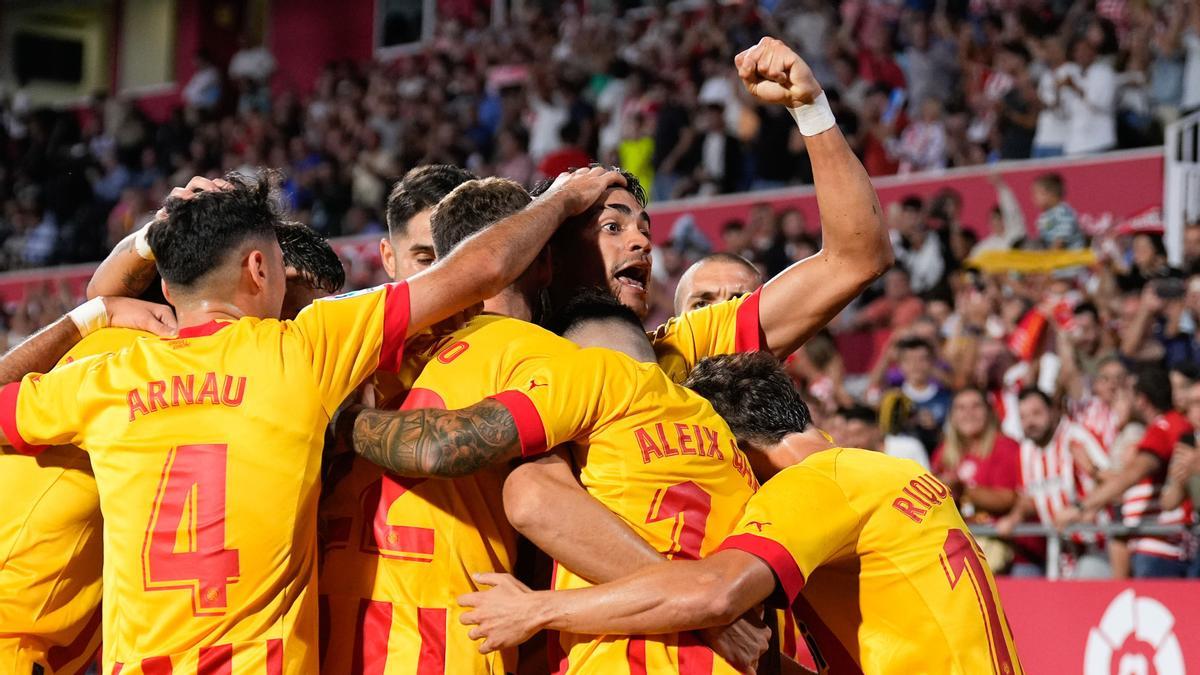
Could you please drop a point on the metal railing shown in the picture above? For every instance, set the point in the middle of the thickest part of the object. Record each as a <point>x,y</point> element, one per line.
<point>1054,538</point>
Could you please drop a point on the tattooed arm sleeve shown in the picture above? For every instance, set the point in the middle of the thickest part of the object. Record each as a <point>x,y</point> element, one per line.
<point>437,443</point>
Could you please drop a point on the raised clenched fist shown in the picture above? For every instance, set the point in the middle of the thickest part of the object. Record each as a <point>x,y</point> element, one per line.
<point>773,73</point>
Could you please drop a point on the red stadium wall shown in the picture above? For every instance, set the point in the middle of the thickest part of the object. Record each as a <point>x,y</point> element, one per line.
<point>304,35</point>
<point>1104,627</point>
<point>1108,187</point>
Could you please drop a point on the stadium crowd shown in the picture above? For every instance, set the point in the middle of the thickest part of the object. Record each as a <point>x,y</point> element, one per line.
<point>915,85</point>
<point>960,353</point>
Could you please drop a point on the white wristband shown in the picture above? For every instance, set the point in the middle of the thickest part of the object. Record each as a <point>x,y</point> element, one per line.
<point>141,242</point>
<point>89,317</point>
<point>815,117</point>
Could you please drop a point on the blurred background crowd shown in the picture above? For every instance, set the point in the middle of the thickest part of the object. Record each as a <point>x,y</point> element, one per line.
<point>973,371</point>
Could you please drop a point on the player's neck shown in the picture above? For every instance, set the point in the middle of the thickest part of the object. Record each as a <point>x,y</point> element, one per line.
<point>797,447</point>
<point>510,302</point>
<point>200,312</point>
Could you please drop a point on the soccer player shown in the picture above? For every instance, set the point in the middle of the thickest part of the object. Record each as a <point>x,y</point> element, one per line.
<point>425,535</point>
<point>206,448</point>
<point>51,523</point>
<point>886,580</point>
<point>610,245</point>
<point>715,278</point>
<point>408,248</point>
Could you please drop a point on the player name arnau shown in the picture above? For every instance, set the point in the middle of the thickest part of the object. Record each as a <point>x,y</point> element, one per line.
<point>209,388</point>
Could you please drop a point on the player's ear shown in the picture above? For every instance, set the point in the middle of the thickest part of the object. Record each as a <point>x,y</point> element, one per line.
<point>166,291</point>
<point>256,269</point>
<point>542,268</point>
<point>388,255</point>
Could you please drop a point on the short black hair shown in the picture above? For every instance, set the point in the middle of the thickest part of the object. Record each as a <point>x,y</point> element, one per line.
<point>306,251</point>
<point>1154,383</point>
<point>200,233</point>
<point>1087,307</point>
<point>1053,183</point>
<point>1026,392</point>
<point>859,413</point>
<point>910,343</point>
<point>733,225</point>
<point>421,188</point>
<point>472,207</point>
<point>912,203</point>
<point>754,395</point>
<point>632,185</point>
<point>590,304</point>
<point>1188,369</point>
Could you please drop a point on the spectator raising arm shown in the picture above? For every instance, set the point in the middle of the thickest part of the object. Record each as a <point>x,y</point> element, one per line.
<point>856,249</point>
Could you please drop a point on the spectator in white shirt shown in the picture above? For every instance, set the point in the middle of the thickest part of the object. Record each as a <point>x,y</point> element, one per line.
<point>203,90</point>
<point>1051,134</point>
<point>922,145</point>
<point>1090,101</point>
<point>916,248</point>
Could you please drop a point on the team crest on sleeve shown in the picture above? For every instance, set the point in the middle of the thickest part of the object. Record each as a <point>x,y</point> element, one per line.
<point>354,294</point>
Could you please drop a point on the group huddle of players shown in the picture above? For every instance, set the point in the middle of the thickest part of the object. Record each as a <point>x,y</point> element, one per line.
<point>266,481</point>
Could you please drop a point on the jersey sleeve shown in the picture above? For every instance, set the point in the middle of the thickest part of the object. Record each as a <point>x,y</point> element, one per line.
<point>1158,440</point>
<point>727,327</point>
<point>351,336</point>
<point>565,396</point>
<point>47,409</point>
<point>796,522</point>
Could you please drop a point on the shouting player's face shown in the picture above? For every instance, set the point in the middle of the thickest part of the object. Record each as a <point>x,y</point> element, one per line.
<point>610,247</point>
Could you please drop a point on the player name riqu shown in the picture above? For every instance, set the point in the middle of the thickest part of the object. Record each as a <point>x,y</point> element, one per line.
<point>209,388</point>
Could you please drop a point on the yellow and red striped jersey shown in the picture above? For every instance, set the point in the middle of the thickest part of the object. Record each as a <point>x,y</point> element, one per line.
<point>727,327</point>
<point>206,451</point>
<point>50,547</point>
<point>878,565</point>
<point>667,464</point>
<point>401,550</point>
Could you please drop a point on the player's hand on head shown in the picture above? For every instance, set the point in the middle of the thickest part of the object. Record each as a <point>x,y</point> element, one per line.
<point>742,642</point>
<point>581,188</point>
<point>773,73</point>
<point>141,315</point>
<point>194,187</point>
<point>502,617</point>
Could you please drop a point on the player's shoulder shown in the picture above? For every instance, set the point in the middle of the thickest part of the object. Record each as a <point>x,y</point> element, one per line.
<point>857,468</point>
<point>105,341</point>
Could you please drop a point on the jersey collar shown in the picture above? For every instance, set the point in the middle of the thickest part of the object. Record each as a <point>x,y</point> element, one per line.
<point>203,329</point>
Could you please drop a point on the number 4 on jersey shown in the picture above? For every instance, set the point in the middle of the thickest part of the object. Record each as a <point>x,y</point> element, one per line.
<point>184,547</point>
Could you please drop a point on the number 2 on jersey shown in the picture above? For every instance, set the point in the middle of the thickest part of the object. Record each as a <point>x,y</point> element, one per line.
<point>184,547</point>
<point>962,555</point>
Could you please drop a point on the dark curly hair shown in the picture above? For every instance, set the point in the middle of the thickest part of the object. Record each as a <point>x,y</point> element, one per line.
<point>199,234</point>
<point>632,185</point>
<point>472,207</point>
<point>421,188</point>
<point>307,252</point>
<point>753,394</point>
<point>590,304</point>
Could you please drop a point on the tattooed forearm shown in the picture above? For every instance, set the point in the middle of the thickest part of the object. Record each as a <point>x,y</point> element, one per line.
<point>39,352</point>
<point>438,443</point>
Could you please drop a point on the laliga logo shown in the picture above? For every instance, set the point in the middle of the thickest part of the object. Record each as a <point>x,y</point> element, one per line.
<point>1135,637</point>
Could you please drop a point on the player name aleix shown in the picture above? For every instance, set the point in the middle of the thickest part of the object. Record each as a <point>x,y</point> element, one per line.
<point>675,439</point>
<point>205,389</point>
